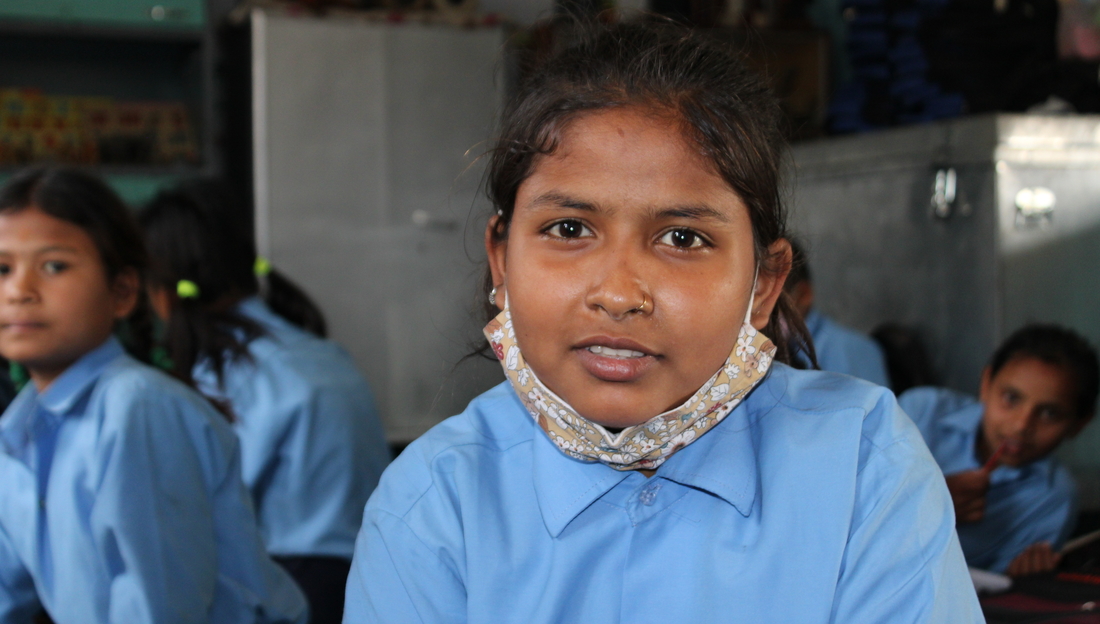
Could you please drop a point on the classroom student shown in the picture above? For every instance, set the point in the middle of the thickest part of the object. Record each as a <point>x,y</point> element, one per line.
<point>838,348</point>
<point>651,457</point>
<point>1015,503</point>
<point>120,488</point>
<point>312,444</point>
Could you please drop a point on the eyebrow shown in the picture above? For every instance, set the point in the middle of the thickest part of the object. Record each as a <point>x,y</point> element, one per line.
<point>554,199</point>
<point>42,250</point>
<point>53,248</point>
<point>692,212</point>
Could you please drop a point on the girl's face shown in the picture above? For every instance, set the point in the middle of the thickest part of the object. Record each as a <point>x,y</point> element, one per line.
<point>626,211</point>
<point>56,302</point>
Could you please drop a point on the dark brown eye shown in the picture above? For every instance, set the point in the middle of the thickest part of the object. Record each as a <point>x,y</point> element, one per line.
<point>570,228</point>
<point>682,238</point>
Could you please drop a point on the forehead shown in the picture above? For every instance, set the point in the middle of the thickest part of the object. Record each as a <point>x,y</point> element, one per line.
<point>631,155</point>
<point>31,228</point>
<point>1038,378</point>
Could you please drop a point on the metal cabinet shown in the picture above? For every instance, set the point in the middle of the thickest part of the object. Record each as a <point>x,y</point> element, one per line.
<point>367,140</point>
<point>965,230</point>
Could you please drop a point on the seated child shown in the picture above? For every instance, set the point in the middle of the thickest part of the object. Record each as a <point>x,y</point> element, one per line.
<point>312,444</point>
<point>120,488</point>
<point>1015,504</point>
<point>651,457</point>
<point>838,348</point>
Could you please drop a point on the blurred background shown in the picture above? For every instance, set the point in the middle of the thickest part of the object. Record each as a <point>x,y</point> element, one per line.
<point>944,177</point>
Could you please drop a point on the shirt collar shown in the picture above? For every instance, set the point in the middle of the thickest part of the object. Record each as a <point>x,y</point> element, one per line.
<point>722,462</point>
<point>60,399</point>
<point>64,393</point>
<point>565,486</point>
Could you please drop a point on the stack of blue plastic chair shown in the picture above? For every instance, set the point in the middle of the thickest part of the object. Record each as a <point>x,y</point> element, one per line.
<point>889,68</point>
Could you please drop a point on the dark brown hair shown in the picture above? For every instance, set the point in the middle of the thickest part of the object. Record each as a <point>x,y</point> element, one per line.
<point>725,109</point>
<point>197,231</point>
<point>1057,346</point>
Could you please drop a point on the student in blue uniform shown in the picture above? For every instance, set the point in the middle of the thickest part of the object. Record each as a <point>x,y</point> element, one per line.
<point>1014,502</point>
<point>651,457</point>
<point>120,488</point>
<point>312,445</point>
<point>838,348</point>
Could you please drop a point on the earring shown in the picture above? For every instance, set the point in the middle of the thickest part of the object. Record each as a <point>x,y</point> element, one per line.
<point>493,296</point>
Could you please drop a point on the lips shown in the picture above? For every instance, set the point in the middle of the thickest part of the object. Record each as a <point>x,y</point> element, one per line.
<point>615,359</point>
<point>22,327</point>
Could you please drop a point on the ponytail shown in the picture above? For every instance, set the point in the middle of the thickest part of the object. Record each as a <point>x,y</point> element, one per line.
<point>290,302</point>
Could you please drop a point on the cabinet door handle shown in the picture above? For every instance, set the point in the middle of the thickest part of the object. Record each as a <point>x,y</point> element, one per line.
<point>943,192</point>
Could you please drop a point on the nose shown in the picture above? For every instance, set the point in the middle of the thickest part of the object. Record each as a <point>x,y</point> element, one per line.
<point>619,290</point>
<point>1022,420</point>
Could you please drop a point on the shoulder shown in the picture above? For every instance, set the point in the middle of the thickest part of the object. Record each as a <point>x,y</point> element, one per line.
<point>928,403</point>
<point>292,368</point>
<point>129,394</point>
<point>491,425</point>
<point>127,380</point>
<point>841,413</point>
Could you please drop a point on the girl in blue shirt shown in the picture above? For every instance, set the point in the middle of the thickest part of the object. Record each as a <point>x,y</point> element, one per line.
<point>312,445</point>
<point>121,497</point>
<point>652,458</point>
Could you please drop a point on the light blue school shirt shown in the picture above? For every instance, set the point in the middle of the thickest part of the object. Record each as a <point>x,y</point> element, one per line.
<point>815,500</point>
<point>312,444</point>
<point>843,350</point>
<point>1025,505</point>
<point>121,502</point>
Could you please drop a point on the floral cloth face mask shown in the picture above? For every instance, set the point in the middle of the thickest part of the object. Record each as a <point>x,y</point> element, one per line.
<point>647,445</point>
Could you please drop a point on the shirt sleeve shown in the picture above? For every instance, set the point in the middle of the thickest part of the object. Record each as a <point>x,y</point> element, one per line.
<point>18,598</point>
<point>396,577</point>
<point>903,562</point>
<point>1042,513</point>
<point>153,517</point>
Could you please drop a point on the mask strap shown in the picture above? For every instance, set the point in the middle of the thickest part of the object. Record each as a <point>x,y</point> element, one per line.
<point>752,297</point>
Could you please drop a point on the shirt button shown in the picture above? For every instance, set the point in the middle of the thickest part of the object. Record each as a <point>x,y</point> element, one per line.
<point>42,503</point>
<point>649,494</point>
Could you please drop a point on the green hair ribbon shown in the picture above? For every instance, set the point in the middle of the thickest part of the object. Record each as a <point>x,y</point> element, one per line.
<point>262,266</point>
<point>186,289</point>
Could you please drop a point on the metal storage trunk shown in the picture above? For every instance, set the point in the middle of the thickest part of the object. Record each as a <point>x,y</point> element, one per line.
<point>964,230</point>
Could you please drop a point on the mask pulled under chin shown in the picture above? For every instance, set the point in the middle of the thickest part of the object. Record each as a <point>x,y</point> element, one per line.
<point>647,445</point>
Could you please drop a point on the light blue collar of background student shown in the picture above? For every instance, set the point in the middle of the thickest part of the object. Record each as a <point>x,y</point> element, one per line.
<point>722,462</point>
<point>64,396</point>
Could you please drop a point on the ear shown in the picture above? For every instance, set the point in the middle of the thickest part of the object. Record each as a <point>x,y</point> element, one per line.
<point>161,301</point>
<point>125,290</point>
<point>769,282</point>
<point>497,250</point>
<point>802,296</point>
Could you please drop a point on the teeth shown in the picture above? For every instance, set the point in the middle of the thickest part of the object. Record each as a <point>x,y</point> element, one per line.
<point>615,353</point>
